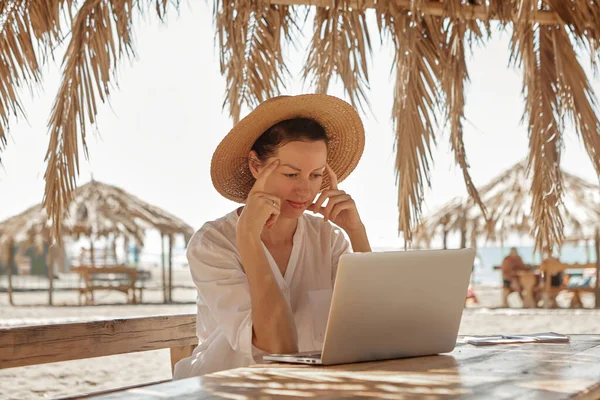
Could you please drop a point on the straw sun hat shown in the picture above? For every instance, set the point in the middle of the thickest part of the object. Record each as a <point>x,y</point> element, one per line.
<point>229,166</point>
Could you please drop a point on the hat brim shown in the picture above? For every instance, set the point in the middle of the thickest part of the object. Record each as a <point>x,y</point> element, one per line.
<point>229,166</point>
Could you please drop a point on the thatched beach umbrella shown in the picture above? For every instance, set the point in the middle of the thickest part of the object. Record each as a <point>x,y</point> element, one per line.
<point>432,40</point>
<point>508,200</point>
<point>96,210</point>
<point>509,208</point>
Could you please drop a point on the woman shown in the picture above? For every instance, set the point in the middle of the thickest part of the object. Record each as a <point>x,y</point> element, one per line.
<point>265,271</point>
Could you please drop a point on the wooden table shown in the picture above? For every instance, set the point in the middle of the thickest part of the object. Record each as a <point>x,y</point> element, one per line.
<point>523,371</point>
<point>89,276</point>
<point>529,280</point>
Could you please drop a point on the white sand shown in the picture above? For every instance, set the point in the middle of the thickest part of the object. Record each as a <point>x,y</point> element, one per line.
<point>82,376</point>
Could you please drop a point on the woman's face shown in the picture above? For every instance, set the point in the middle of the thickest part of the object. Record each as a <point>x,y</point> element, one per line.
<point>299,176</point>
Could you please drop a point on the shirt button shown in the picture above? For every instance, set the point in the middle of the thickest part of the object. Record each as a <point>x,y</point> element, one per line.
<point>286,290</point>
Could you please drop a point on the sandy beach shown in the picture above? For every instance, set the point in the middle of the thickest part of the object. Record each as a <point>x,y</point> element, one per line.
<point>83,376</point>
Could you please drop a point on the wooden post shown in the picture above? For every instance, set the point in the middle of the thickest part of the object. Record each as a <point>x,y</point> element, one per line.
<point>180,352</point>
<point>50,263</point>
<point>473,235</point>
<point>125,250</point>
<point>92,252</point>
<point>170,268</point>
<point>106,247</point>
<point>445,238</point>
<point>11,260</point>
<point>164,267</point>
<point>113,247</point>
<point>597,291</point>
<point>463,231</point>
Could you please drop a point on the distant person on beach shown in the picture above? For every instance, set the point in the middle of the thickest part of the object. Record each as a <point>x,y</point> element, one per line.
<point>511,265</point>
<point>265,271</point>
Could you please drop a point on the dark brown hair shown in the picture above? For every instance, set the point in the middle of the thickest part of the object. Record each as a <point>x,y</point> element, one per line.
<point>287,131</point>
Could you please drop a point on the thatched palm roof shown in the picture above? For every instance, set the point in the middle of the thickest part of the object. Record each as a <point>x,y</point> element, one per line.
<point>96,210</point>
<point>509,203</point>
<point>432,39</point>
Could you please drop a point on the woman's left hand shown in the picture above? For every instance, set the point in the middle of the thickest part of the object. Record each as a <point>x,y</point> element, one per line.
<point>341,208</point>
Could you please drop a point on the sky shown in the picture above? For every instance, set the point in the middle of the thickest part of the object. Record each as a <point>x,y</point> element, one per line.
<point>156,137</point>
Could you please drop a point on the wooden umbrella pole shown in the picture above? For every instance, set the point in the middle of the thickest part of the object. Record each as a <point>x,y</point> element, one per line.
<point>92,252</point>
<point>113,247</point>
<point>597,291</point>
<point>170,268</point>
<point>125,250</point>
<point>164,267</point>
<point>106,247</point>
<point>50,262</point>
<point>463,231</point>
<point>11,260</point>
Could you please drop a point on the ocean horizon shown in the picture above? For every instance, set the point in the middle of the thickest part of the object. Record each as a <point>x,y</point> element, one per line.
<point>483,271</point>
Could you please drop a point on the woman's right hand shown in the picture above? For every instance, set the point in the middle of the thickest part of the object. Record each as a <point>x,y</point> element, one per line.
<point>261,209</point>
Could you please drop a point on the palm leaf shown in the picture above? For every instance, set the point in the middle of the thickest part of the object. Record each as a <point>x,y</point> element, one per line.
<point>100,36</point>
<point>533,48</point>
<point>339,47</point>
<point>454,78</point>
<point>28,31</point>
<point>416,99</point>
<point>250,38</point>
<point>577,97</point>
<point>580,20</point>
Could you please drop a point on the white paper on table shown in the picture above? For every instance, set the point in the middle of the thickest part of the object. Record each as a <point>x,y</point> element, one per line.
<point>547,337</point>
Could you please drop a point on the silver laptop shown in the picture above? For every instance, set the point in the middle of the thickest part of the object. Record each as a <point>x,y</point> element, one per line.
<point>389,305</point>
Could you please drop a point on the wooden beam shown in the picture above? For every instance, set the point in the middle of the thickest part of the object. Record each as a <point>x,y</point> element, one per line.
<point>430,8</point>
<point>42,344</point>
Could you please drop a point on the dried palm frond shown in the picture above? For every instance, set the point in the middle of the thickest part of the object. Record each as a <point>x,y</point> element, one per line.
<point>454,78</point>
<point>101,35</point>
<point>28,30</point>
<point>339,47</point>
<point>92,52</point>
<point>232,22</point>
<point>416,99</point>
<point>250,36</point>
<point>577,98</point>
<point>533,49</point>
<point>581,18</point>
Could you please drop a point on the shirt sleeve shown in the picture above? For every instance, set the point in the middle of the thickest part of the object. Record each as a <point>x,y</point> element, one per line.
<point>223,287</point>
<point>339,246</point>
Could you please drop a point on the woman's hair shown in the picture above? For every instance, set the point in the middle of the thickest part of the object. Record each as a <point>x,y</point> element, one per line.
<point>290,130</point>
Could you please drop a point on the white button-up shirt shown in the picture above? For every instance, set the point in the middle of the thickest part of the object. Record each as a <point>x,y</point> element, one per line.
<point>224,322</point>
